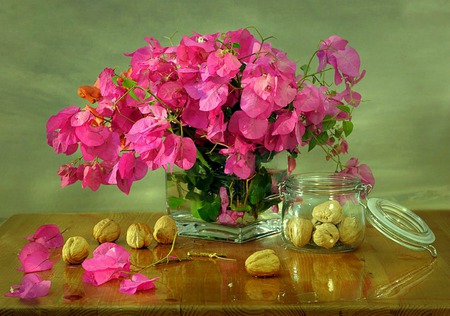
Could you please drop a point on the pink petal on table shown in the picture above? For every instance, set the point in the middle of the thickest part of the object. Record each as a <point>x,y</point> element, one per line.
<point>31,287</point>
<point>35,257</point>
<point>138,282</point>
<point>48,235</point>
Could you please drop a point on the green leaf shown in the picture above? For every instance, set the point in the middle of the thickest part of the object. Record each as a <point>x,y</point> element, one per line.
<point>344,108</point>
<point>114,80</point>
<point>175,202</point>
<point>348,127</point>
<point>304,68</point>
<point>308,134</point>
<point>128,83</point>
<point>322,138</point>
<point>147,95</point>
<point>202,159</point>
<point>236,45</point>
<point>328,124</point>
<point>259,187</point>
<point>134,96</point>
<point>208,209</point>
<point>312,144</point>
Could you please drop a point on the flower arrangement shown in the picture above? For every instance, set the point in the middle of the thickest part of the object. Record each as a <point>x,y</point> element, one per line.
<point>217,106</point>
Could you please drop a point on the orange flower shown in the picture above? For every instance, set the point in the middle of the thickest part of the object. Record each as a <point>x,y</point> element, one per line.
<point>92,94</point>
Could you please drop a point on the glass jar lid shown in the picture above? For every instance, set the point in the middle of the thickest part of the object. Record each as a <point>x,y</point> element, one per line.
<point>321,182</point>
<point>400,225</point>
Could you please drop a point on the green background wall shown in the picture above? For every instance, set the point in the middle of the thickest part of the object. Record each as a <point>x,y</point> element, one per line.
<point>49,48</point>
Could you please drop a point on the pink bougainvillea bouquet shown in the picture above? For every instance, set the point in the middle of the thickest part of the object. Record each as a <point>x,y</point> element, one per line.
<point>218,106</point>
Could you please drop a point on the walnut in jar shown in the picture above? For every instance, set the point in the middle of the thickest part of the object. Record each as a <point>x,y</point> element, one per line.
<point>326,235</point>
<point>328,212</point>
<point>298,230</point>
<point>350,230</point>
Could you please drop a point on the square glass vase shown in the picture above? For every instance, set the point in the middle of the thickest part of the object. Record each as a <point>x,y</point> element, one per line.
<point>248,228</point>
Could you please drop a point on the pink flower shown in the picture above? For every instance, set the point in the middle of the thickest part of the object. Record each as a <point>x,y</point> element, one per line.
<point>344,59</point>
<point>248,127</point>
<point>60,133</point>
<point>221,63</point>
<point>68,175</point>
<point>110,261</point>
<point>34,257</point>
<point>177,150</point>
<point>126,171</point>
<point>92,176</point>
<point>109,91</point>
<point>173,94</point>
<point>31,287</point>
<point>138,282</point>
<point>212,94</point>
<point>311,101</point>
<point>48,235</point>
<point>147,133</point>
<point>225,93</point>
<point>285,133</point>
<point>362,171</point>
<point>292,164</point>
<point>226,216</point>
<point>240,160</point>
<point>108,149</point>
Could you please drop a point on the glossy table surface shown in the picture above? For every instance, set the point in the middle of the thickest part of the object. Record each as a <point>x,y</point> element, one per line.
<point>380,278</point>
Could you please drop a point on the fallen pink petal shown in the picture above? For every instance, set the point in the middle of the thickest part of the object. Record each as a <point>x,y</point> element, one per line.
<point>34,257</point>
<point>31,287</point>
<point>48,235</point>
<point>138,282</point>
<point>109,261</point>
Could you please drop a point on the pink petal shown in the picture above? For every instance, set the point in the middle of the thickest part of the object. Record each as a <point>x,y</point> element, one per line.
<point>253,105</point>
<point>31,287</point>
<point>113,250</point>
<point>80,118</point>
<point>35,257</point>
<point>100,277</point>
<point>285,123</point>
<point>48,235</point>
<point>253,128</point>
<point>187,154</point>
<point>109,261</point>
<point>100,262</point>
<point>213,95</point>
<point>348,62</point>
<point>138,282</point>
<point>59,120</point>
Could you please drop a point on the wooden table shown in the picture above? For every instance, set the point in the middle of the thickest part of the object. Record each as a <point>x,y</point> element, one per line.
<point>380,278</point>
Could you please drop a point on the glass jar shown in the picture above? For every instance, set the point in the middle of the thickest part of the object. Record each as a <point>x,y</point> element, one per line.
<point>323,213</point>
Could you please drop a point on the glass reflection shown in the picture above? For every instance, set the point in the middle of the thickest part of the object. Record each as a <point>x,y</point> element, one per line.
<point>324,278</point>
<point>403,282</point>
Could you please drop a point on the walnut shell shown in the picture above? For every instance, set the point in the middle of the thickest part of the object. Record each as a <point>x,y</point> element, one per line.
<point>263,263</point>
<point>298,230</point>
<point>328,212</point>
<point>326,235</point>
<point>350,230</point>
<point>139,235</point>
<point>106,230</point>
<point>75,250</point>
<point>165,230</point>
